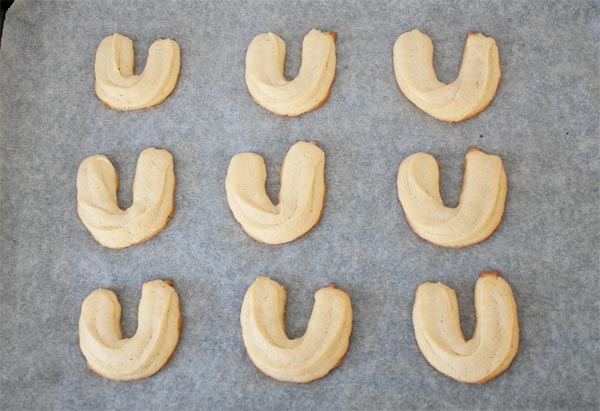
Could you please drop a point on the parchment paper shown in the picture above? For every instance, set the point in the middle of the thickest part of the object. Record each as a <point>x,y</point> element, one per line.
<point>543,123</point>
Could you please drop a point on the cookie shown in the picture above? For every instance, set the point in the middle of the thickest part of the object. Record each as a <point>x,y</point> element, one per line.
<point>300,199</point>
<point>153,191</point>
<point>125,359</point>
<point>468,95</point>
<point>117,85</point>
<point>303,359</point>
<point>481,202</point>
<point>495,341</point>
<point>265,78</point>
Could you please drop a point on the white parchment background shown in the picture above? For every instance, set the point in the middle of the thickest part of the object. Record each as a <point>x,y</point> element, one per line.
<point>543,123</point>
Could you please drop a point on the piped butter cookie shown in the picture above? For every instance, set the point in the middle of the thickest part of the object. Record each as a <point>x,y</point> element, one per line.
<point>124,359</point>
<point>303,359</point>
<point>119,88</point>
<point>265,61</point>
<point>468,95</point>
<point>153,191</point>
<point>481,202</point>
<point>494,343</point>
<point>300,199</point>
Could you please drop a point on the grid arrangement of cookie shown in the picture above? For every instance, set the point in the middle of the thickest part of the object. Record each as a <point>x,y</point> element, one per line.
<point>494,343</point>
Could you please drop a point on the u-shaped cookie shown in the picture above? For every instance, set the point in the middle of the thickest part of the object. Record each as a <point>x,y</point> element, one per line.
<point>468,95</point>
<point>124,359</point>
<point>265,61</point>
<point>152,207</point>
<point>495,341</point>
<point>303,359</point>
<point>300,198</point>
<point>480,207</point>
<point>119,88</point>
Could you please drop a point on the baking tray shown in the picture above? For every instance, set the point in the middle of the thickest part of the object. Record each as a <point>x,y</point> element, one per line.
<point>543,122</point>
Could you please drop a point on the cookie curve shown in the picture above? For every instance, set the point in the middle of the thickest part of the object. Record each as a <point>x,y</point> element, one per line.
<point>257,238</point>
<point>301,196</point>
<point>119,88</point>
<point>100,345</point>
<point>511,343</point>
<point>153,201</point>
<point>268,91</point>
<point>482,99</point>
<point>408,189</point>
<point>496,217</point>
<point>271,351</point>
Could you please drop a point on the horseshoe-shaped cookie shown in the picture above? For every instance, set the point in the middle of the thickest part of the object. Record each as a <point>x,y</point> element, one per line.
<point>300,198</point>
<point>119,88</point>
<point>124,359</point>
<point>303,359</point>
<point>265,60</point>
<point>468,95</point>
<point>480,207</point>
<point>495,341</point>
<point>152,207</point>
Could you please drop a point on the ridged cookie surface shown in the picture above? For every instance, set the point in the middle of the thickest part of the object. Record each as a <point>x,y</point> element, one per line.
<point>303,359</point>
<point>153,191</point>
<point>265,61</point>
<point>301,195</point>
<point>468,95</point>
<point>117,85</point>
<point>495,341</point>
<point>481,202</point>
<point>125,359</point>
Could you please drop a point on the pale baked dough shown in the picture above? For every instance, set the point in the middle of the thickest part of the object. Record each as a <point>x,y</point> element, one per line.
<point>153,191</point>
<point>119,88</point>
<point>300,198</point>
<point>494,343</point>
<point>124,359</point>
<point>265,61</point>
<point>303,359</point>
<point>481,202</point>
<point>468,95</point>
